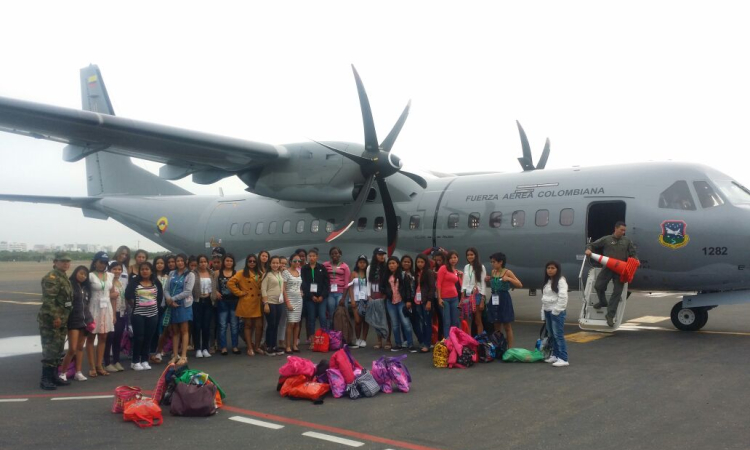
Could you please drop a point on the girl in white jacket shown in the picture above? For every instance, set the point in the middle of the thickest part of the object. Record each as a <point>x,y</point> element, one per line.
<point>473,293</point>
<point>554,303</point>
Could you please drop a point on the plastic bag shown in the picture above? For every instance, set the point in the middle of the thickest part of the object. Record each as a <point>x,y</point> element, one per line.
<point>297,366</point>
<point>335,339</point>
<point>440,355</point>
<point>143,411</point>
<point>299,387</point>
<point>380,372</point>
<point>337,383</point>
<point>522,355</point>
<point>321,341</point>
<point>124,394</point>
<point>398,372</point>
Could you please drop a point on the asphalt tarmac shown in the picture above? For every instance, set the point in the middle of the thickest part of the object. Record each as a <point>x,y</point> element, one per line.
<point>649,386</point>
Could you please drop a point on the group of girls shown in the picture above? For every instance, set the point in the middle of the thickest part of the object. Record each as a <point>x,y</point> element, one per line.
<point>163,299</point>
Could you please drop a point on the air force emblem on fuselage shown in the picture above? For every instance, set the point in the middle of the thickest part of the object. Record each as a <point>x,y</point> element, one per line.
<point>674,234</point>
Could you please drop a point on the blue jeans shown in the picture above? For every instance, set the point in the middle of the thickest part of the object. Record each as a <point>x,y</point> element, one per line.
<point>422,323</point>
<point>331,303</point>
<point>450,315</point>
<point>315,310</point>
<point>399,322</point>
<point>227,314</point>
<point>556,331</point>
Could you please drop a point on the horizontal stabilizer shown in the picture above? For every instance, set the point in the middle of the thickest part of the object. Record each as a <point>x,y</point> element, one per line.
<point>74,202</point>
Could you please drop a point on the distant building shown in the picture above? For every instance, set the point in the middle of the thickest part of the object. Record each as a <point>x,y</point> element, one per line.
<point>3,246</point>
<point>13,246</point>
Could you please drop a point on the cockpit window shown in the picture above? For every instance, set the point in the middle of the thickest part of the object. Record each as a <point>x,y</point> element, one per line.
<point>706,195</point>
<point>677,196</point>
<point>733,191</point>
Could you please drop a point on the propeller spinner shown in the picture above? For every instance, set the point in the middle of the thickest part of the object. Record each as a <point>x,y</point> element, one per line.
<point>376,163</point>
<point>526,162</point>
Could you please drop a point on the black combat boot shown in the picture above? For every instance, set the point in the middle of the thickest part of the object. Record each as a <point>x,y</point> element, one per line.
<point>56,378</point>
<point>47,383</point>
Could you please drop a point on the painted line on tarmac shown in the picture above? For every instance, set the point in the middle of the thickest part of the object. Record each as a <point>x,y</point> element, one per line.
<point>259,423</point>
<point>15,302</point>
<point>57,394</point>
<point>329,438</point>
<point>13,400</point>
<point>35,294</point>
<point>341,431</point>
<point>83,397</point>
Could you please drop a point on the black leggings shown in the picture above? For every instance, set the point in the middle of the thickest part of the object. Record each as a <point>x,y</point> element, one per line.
<point>114,340</point>
<point>202,312</point>
<point>144,329</point>
<point>273,318</point>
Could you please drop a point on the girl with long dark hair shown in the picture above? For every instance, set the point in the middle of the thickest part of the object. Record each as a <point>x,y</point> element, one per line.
<point>358,294</point>
<point>473,290</point>
<point>162,274</point>
<point>78,321</point>
<point>144,293</point>
<point>424,281</point>
<point>500,311</point>
<point>447,294</point>
<point>179,297</point>
<point>272,288</point>
<point>246,286</point>
<point>202,307</point>
<point>293,301</point>
<point>102,307</point>
<point>554,304</point>
<point>376,315</point>
<point>226,305</point>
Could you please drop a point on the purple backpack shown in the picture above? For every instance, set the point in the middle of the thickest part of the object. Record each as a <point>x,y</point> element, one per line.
<point>337,383</point>
<point>382,376</point>
<point>398,372</point>
<point>336,340</point>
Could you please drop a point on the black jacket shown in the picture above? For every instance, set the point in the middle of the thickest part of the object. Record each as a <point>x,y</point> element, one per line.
<point>318,275</point>
<point>427,285</point>
<point>406,287</point>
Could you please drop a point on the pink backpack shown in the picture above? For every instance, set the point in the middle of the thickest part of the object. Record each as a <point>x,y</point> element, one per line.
<point>124,394</point>
<point>297,366</point>
<point>336,380</point>
<point>380,372</point>
<point>335,339</point>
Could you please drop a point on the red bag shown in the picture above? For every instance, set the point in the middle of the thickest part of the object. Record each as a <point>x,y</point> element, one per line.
<point>143,411</point>
<point>161,385</point>
<point>344,363</point>
<point>321,341</point>
<point>124,394</point>
<point>299,387</point>
<point>465,327</point>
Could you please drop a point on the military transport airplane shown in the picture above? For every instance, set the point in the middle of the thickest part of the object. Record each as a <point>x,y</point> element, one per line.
<point>686,219</point>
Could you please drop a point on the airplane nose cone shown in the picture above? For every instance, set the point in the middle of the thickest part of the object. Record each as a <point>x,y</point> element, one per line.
<point>395,161</point>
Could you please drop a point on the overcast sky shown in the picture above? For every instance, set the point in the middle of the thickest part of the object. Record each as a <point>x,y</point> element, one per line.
<point>608,82</point>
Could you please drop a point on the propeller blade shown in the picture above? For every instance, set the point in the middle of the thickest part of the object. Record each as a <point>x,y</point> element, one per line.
<point>391,138</point>
<point>353,211</point>
<point>357,159</point>
<point>545,155</point>
<point>371,138</point>
<point>416,178</point>
<point>391,222</point>
<point>526,162</point>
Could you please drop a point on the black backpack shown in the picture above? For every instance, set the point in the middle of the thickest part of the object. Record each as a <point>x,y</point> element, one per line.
<point>501,344</point>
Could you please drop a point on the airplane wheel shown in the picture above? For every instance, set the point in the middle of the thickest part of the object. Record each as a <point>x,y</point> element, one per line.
<point>688,319</point>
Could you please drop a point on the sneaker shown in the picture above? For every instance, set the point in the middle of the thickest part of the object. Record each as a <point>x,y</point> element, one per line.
<point>561,363</point>
<point>271,352</point>
<point>199,353</point>
<point>145,365</point>
<point>136,366</point>
<point>362,343</point>
<point>111,369</point>
<point>206,354</point>
<point>119,367</point>
<point>63,377</point>
<point>551,359</point>
<point>354,344</point>
<point>79,377</point>
<point>157,358</point>
<point>413,349</point>
<point>396,349</point>
<point>280,352</point>
<point>404,346</point>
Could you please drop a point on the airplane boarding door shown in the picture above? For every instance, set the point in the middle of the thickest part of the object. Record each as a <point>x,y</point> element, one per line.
<point>600,221</point>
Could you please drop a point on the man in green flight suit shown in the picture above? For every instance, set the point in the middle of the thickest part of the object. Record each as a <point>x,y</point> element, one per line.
<point>57,302</point>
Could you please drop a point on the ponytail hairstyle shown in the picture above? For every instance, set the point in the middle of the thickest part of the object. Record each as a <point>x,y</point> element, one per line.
<point>476,265</point>
<point>556,278</point>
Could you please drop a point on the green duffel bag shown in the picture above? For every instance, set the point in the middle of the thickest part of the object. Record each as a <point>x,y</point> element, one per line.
<point>522,355</point>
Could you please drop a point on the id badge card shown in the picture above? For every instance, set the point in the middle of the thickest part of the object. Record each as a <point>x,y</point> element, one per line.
<point>68,304</point>
<point>375,288</point>
<point>495,299</point>
<point>362,295</point>
<point>314,288</point>
<point>103,303</point>
<point>334,288</point>
<point>418,298</point>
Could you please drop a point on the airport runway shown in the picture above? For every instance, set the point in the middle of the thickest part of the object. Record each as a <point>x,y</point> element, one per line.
<point>646,387</point>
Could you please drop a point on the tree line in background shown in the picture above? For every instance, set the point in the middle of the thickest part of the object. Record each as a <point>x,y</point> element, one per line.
<point>6,256</point>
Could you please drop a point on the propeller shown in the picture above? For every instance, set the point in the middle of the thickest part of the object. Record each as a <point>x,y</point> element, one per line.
<point>376,163</point>
<point>526,162</point>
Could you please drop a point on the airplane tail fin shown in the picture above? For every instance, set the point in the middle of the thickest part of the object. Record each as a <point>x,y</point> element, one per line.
<point>108,173</point>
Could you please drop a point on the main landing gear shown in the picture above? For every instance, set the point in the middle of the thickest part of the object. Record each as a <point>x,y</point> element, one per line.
<point>689,319</point>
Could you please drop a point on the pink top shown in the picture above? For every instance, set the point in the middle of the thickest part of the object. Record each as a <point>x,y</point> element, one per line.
<point>394,288</point>
<point>341,276</point>
<point>446,282</point>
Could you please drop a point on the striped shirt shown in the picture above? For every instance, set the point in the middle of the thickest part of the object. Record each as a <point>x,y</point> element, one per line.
<point>146,301</point>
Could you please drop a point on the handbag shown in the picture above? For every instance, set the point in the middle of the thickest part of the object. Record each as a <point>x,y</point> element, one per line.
<point>124,394</point>
<point>366,384</point>
<point>192,400</point>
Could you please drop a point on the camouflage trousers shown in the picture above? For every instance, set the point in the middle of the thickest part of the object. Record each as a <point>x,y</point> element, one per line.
<point>53,342</point>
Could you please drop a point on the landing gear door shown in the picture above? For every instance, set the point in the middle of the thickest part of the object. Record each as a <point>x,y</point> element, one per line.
<point>592,319</point>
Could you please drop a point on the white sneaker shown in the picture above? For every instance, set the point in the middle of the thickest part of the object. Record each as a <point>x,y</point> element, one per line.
<point>561,363</point>
<point>79,377</point>
<point>362,343</point>
<point>145,365</point>
<point>63,377</point>
<point>551,359</point>
<point>355,344</point>
<point>206,354</point>
<point>136,366</point>
<point>199,353</point>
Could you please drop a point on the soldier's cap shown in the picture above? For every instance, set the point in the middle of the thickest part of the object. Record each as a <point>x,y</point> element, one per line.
<point>218,251</point>
<point>62,256</point>
<point>380,250</point>
<point>101,256</point>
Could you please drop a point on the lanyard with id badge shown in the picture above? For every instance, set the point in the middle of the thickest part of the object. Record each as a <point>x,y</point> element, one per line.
<point>362,291</point>
<point>104,301</point>
<point>313,285</point>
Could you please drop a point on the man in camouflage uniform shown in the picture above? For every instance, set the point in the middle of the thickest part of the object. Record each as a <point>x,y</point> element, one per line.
<point>616,246</point>
<point>57,302</point>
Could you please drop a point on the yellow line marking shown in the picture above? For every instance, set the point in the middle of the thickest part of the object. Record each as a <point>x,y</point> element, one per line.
<point>649,319</point>
<point>22,293</point>
<point>20,303</point>
<point>583,337</point>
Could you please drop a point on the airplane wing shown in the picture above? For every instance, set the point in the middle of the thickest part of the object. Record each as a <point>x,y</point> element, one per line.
<point>207,156</point>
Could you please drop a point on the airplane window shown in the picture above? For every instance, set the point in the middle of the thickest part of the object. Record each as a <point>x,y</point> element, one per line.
<point>301,226</point>
<point>272,227</point>
<point>566,217</point>
<point>259,228</point>
<point>496,218</point>
<point>286,226</point>
<point>315,226</point>
<point>234,229</point>
<point>474,220</point>
<point>329,225</point>
<point>706,195</point>
<point>246,228</point>
<point>398,222</point>
<point>735,192</point>
<point>414,222</point>
<point>677,196</point>
<point>362,224</point>
<point>379,222</point>
<point>453,221</point>
<point>542,218</point>
<point>518,219</point>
